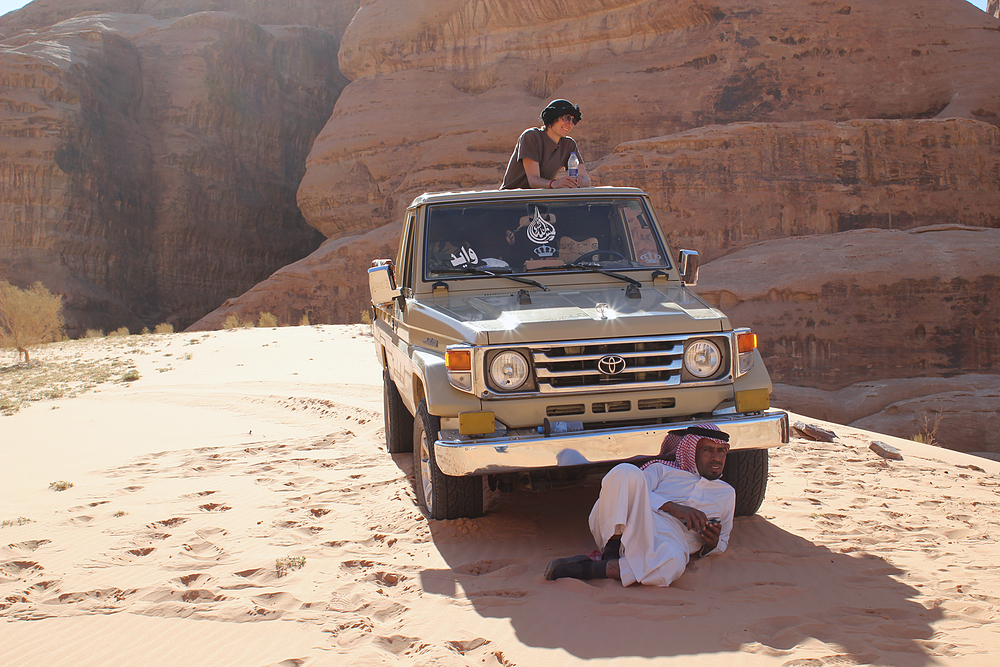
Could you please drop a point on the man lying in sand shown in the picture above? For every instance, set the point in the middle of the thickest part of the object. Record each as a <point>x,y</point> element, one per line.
<point>652,520</point>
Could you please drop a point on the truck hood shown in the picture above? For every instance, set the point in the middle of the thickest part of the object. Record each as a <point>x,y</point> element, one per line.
<point>579,314</point>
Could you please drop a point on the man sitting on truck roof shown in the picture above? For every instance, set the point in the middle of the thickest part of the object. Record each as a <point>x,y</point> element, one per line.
<point>542,151</point>
<point>652,520</point>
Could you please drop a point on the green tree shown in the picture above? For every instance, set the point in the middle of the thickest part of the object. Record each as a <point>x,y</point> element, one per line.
<point>28,317</point>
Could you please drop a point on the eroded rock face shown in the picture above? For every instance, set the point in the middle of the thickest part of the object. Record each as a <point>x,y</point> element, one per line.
<point>150,166</point>
<point>835,309</point>
<point>719,187</point>
<point>966,419</point>
<point>441,90</point>
<point>332,16</point>
<point>958,412</point>
<point>993,8</point>
<point>314,286</point>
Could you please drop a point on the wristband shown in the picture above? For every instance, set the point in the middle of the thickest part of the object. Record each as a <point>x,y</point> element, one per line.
<point>550,183</point>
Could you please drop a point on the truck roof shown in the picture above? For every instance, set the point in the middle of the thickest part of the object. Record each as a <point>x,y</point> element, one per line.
<point>491,195</point>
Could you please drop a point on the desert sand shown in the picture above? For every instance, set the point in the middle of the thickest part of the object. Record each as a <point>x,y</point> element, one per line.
<point>200,487</point>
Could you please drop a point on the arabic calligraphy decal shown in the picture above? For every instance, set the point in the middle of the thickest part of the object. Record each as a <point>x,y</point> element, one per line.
<point>540,231</point>
<point>464,256</point>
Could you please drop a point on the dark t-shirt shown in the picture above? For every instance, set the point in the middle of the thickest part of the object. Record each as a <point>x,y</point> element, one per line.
<point>536,145</point>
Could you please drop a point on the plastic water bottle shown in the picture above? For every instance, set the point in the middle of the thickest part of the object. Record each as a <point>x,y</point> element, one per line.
<point>573,165</point>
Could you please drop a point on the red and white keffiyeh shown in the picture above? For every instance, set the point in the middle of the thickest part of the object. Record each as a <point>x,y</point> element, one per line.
<point>683,445</point>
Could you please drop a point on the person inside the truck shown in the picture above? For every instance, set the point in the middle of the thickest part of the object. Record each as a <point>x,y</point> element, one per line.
<point>454,244</point>
<point>542,151</point>
<point>652,520</point>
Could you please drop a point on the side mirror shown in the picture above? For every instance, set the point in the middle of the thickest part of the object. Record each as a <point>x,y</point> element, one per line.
<point>382,282</point>
<point>688,261</point>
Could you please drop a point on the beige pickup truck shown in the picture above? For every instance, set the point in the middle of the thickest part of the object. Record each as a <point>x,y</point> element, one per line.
<point>543,333</point>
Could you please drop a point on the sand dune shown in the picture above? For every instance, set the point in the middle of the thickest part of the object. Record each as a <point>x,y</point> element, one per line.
<point>198,489</point>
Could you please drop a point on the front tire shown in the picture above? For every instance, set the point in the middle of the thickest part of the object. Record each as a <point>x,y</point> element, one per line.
<point>398,420</point>
<point>746,472</point>
<point>443,496</point>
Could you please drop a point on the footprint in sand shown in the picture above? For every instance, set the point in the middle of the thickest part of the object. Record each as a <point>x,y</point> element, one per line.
<point>14,570</point>
<point>481,567</point>
<point>214,507</point>
<point>201,549</point>
<point>105,596</point>
<point>26,547</point>
<point>199,579</point>
<point>167,523</point>
<point>479,651</point>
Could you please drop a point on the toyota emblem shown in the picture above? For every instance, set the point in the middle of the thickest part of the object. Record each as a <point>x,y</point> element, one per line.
<point>611,364</point>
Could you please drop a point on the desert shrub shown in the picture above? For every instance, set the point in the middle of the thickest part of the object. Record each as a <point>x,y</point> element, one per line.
<point>928,432</point>
<point>119,332</point>
<point>130,376</point>
<point>61,485</point>
<point>304,320</point>
<point>145,331</point>
<point>267,320</point>
<point>163,328</point>
<point>234,321</point>
<point>28,317</point>
<point>283,566</point>
<point>366,317</point>
<point>93,333</point>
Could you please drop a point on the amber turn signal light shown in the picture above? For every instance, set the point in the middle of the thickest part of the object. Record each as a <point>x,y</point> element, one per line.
<point>746,342</point>
<point>458,360</point>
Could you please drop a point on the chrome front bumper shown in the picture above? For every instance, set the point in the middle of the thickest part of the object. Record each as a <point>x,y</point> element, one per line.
<point>461,455</point>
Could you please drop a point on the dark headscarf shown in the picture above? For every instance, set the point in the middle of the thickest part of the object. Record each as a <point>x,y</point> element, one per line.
<point>559,108</point>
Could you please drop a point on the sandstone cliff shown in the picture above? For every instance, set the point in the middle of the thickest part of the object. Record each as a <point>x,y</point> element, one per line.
<point>889,330</point>
<point>150,166</point>
<point>157,161</point>
<point>835,309</point>
<point>474,73</point>
<point>720,187</point>
<point>746,123</point>
<point>330,16</point>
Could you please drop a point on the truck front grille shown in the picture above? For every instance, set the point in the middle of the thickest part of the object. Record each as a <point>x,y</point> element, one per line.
<point>602,365</point>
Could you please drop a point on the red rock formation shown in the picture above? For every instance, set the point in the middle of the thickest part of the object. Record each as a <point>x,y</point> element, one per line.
<point>883,329</point>
<point>313,286</point>
<point>474,73</point>
<point>965,419</point>
<point>835,309</point>
<point>960,411</point>
<point>719,187</point>
<point>330,16</point>
<point>993,8</point>
<point>150,167</point>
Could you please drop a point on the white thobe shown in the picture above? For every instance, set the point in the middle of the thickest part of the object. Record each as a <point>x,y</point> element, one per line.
<point>656,547</point>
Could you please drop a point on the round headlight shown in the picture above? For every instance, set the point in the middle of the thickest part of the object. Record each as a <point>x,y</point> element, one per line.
<point>702,358</point>
<point>508,370</point>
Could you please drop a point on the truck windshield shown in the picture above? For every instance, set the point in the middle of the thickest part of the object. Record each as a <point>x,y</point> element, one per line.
<point>613,233</point>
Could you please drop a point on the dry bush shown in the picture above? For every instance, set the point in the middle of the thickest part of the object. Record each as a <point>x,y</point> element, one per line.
<point>234,321</point>
<point>119,332</point>
<point>928,432</point>
<point>304,321</point>
<point>163,328</point>
<point>93,333</point>
<point>28,317</point>
<point>366,317</point>
<point>267,320</point>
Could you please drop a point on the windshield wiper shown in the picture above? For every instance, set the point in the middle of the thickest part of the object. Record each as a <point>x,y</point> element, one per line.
<point>595,269</point>
<point>495,274</point>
